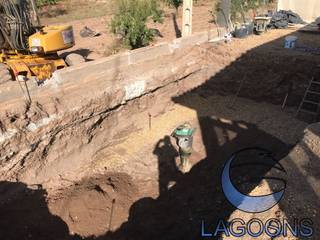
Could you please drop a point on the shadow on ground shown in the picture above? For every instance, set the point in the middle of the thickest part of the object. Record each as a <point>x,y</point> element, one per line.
<point>197,195</point>
<point>25,214</point>
<point>176,26</point>
<point>84,52</point>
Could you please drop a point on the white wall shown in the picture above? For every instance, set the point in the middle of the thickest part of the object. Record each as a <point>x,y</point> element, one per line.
<point>309,10</point>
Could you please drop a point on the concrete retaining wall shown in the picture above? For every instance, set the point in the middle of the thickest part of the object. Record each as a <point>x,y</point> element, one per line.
<point>105,68</point>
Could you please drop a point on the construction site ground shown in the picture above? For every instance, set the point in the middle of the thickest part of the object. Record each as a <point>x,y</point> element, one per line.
<point>107,44</point>
<point>142,195</point>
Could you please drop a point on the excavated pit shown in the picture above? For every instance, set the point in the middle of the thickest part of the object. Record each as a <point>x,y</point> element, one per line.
<point>112,173</point>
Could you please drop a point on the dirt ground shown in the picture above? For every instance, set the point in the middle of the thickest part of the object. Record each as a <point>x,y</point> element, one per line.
<point>143,171</point>
<point>145,197</point>
<point>171,204</point>
<point>135,190</point>
<point>97,15</point>
<point>278,74</point>
<point>106,44</point>
<point>142,195</point>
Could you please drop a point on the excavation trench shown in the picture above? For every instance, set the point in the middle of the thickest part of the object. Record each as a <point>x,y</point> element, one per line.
<point>108,168</point>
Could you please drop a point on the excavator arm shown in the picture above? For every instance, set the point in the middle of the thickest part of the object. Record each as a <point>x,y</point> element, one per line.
<point>28,49</point>
<point>16,23</point>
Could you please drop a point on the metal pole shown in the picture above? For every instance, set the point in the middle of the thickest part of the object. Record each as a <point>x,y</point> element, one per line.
<point>187,18</point>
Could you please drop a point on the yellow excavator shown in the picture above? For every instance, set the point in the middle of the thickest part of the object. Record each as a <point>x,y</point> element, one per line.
<point>29,50</point>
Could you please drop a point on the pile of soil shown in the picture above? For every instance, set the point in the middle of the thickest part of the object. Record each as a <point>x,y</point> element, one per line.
<point>95,205</point>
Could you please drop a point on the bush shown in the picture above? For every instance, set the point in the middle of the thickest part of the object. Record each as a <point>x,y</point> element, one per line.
<point>130,21</point>
<point>174,3</point>
<point>41,3</point>
<point>243,6</point>
<point>238,8</point>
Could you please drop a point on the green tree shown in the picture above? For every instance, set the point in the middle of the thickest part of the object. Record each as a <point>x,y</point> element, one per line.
<point>41,3</point>
<point>174,3</point>
<point>243,6</point>
<point>130,21</point>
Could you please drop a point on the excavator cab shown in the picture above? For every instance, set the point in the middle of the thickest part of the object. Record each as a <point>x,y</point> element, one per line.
<point>29,50</point>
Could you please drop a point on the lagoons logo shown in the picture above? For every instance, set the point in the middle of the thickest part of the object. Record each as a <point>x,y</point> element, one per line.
<point>246,178</point>
<point>252,204</point>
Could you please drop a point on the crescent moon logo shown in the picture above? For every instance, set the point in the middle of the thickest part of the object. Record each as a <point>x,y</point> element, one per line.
<point>251,204</point>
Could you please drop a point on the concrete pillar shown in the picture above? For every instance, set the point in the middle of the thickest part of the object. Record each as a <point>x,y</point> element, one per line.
<point>187,18</point>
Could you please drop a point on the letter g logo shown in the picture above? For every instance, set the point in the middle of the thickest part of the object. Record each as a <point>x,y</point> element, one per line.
<point>252,204</point>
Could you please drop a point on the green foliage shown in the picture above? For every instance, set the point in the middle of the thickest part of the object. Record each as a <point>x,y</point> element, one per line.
<point>239,7</point>
<point>174,3</point>
<point>41,3</point>
<point>214,11</point>
<point>130,21</point>
<point>243,6</point>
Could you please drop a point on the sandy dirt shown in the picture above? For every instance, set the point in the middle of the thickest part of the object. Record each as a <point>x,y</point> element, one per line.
<point>147,193</point>
<point>175,203</point>
<point>106,43</point>
<point>142,195</point>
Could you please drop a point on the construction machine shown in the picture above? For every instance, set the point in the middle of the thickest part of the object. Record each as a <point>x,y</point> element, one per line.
<point>29,50</point>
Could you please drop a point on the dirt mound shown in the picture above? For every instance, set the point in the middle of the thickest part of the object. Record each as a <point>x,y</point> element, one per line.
<point>95,205</point>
